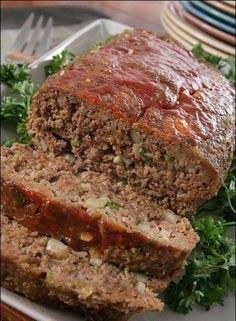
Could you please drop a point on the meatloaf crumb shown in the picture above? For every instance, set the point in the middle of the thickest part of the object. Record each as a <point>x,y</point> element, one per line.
<point>146,111</point>
<point>90,211</point>
<point>103,293</point>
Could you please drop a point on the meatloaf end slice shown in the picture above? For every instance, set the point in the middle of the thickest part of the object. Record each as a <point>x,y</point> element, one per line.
<point>90,211</point>
<point>146,111</point>
<point>55,274</point>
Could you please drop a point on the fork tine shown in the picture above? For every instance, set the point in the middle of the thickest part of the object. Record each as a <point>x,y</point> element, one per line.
<point>34,37</point>
<point>23,34</point>
<point>46,39</point>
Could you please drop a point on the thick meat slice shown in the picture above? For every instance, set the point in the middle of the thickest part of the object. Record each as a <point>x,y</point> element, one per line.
<point>90,211</point>
<point>146,111</point>
<point>54,274</point>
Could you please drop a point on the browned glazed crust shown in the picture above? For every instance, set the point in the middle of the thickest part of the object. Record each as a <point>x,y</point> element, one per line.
<point>159,86</point>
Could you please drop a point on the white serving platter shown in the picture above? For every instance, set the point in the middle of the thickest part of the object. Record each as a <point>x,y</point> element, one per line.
<point>78,43</point>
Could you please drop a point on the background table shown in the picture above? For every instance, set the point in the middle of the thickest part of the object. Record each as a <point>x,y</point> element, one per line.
<point>139,14</point>
<point>70,16</point>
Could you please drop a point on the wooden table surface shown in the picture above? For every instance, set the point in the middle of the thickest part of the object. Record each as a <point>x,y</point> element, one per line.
<point>139,14</point>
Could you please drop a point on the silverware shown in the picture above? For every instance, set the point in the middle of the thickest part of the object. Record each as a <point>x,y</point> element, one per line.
<point>31,43</point>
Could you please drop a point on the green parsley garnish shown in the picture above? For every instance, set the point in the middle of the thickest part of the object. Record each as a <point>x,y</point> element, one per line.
<point>9,142</point>
<point>12,73</point>
<point>226,66</point>
<point>230,73</point>
<point>199,53</point>
<point>58,62</point>
<point>15,107</point>
<point>209,271</point>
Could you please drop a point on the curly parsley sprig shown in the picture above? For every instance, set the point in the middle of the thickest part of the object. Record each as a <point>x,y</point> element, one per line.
<point>225,66</point>
<point>210,271</point>
<point>58,62</point>
<point>11,74</point>
<point>15,107</point>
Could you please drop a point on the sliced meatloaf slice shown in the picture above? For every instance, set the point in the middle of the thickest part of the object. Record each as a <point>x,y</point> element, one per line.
<point>90,211</point>
<point>48,271</point>
<point>146,111</point>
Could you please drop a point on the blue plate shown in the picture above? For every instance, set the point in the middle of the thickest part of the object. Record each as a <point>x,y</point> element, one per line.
<point>205,17</point>
<point>215,13</point>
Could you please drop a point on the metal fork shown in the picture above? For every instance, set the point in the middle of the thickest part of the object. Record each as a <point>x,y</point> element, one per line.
<point>31,43</point>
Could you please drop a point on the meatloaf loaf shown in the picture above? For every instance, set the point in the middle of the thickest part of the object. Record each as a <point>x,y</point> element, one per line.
<point>48,271</point>
<point>89,211</point>
<point>146,111</point>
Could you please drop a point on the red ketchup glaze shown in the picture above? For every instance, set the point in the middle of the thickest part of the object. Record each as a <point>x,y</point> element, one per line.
<point>51,218</point>
<point>145,79</point>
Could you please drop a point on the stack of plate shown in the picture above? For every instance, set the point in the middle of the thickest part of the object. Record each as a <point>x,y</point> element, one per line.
<point>211,23</point>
